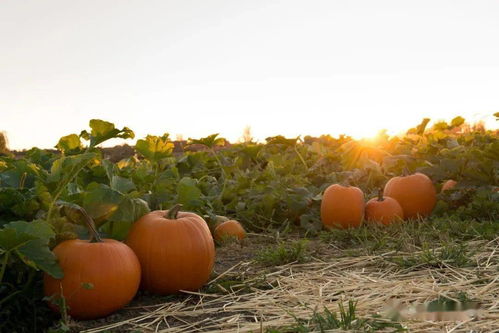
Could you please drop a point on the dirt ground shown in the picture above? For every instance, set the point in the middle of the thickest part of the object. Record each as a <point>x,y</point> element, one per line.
<point>245,295</point>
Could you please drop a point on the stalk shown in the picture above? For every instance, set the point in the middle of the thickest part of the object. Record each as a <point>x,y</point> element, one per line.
<point>380,194</point>
<point>4,265</point>
<point>172,213</point>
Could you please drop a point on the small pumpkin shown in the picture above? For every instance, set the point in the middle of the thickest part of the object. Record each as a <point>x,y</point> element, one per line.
<point>415,193</point>
<point>449,185</point>
<point>383,209</point>
<point>175,249</point>
<point>342,207</point>
<point>100,276</point>
<point>229,229</point>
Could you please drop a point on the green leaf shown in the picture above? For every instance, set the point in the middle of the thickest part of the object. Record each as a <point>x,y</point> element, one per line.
<point>29,240</point>
<point>130,210</point>
<point>188,192</point>
<point>101,202</point>
<point>211,141</point>
<point>10,239</point>
<point>155,148</point>
<point>458,121</point>
<point>281,140</point>
<point>103,131</point>
<point>64,168</point>
<point>123,185</point>
<point>36,254</point>
<point>38,228</point>
<point>69,144</point>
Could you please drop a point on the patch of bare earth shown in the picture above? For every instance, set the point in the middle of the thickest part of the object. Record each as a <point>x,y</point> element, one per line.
<point>246,297</point>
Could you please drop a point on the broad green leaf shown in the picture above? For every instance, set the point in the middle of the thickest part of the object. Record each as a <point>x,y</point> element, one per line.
<point>101,202</point>
<point>102,131</point>
<point>458,121</point>
<point>30,240</point>
<point>11,239</point>
<point>38,228</point>
<point>281,140</point>
<point>123,185</point>
<point>155,148</point>
<point>187,191</point>
<point>69,144</point>
<point>211,141</point>
<point>130,210</point>
<point>36,254</point>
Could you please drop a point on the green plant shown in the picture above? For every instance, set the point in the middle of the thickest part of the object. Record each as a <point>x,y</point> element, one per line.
<point>284,253</point>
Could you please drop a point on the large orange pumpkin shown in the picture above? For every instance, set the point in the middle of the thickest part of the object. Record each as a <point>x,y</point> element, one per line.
<point>383,209</point>
<point>342,207</point>
<point>229,229</point>
<point>100,276</point>
<point>175,249</point>
<point>415,193</point>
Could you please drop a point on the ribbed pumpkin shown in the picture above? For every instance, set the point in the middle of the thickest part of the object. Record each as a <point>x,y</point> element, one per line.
<point>415,193</point>
<point>229,229</point>
<point>448,185</point>
<point>100,276</point>
<point>383,209</point>
<point>342,207</point>
<point>175,249</point>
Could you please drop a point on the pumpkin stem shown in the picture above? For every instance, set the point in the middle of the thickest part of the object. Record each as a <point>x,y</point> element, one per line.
<point>172,213</point>
<point>380,194</point>
<point>94,234</point>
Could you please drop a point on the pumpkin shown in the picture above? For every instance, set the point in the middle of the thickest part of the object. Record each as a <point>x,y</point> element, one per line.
<point>229,229</point>
<point>415,193</point>
<point>383,209</point>
<point>449,185</point>
<point>100,276</point>
<point>175,249</point>
<point>342,207</point>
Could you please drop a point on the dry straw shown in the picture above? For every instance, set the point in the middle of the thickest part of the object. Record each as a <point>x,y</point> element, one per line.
<point>276,298</point>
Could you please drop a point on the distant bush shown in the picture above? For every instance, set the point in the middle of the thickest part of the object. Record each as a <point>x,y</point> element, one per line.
<point>3,144</point>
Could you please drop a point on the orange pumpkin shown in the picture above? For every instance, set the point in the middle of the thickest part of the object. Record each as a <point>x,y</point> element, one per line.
<point>415,193</point>
<point>175,249</point>
<point>342,207</point>
<point>448,185</point>
<point>229,229</point>
<point>100,276</point>
<point>383,209</point>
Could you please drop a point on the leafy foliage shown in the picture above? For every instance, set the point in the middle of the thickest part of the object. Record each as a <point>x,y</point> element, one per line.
<point>273,185</point>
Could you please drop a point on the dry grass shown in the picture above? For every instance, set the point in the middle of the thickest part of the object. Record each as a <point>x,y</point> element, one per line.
<point>276,298</point>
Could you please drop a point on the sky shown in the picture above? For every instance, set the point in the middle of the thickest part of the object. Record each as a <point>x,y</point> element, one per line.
<point>287,67</point>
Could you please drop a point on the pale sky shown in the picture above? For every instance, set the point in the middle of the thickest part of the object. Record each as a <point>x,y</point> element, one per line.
<point>282,67</point>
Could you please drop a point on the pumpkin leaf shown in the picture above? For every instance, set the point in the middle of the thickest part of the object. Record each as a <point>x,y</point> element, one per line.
<point>69,144</point>
<point>101,202</point>
<point>211,141</point>
<point>29,240</point>
<point>188,192</point>
<point>37,255</point>
<point>103,130</point>
<point>154,148</point>
<point>121,184</point>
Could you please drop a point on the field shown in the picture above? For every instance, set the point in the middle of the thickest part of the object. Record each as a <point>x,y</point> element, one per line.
<point>290,274</point>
